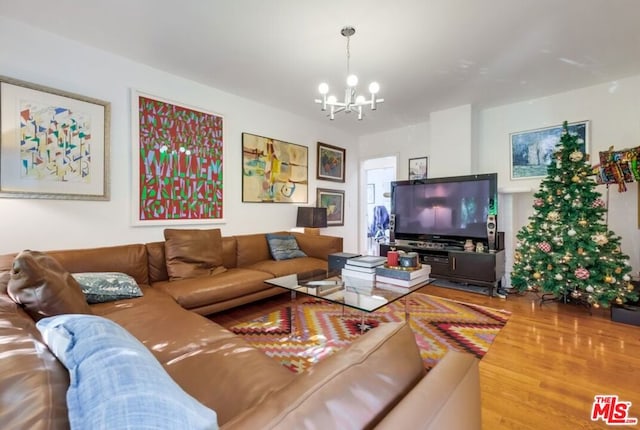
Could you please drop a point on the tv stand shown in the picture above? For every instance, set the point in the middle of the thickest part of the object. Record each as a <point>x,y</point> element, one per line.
<point>464,268</point>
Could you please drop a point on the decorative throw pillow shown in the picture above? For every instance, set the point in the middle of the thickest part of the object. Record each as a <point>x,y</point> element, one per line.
<point>100,287</point>
<point>39,283</point>
<point>284,247</point>
<point>116,383</point>
<point>193,253</point>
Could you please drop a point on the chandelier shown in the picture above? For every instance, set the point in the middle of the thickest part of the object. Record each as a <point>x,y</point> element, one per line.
<point>352,101</point>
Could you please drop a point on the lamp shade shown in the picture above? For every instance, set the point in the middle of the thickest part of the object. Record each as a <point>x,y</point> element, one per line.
<point>311,217</point>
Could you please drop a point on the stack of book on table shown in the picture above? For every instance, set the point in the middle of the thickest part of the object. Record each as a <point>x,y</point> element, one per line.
<point>362,268</point>
<point>403,276</point>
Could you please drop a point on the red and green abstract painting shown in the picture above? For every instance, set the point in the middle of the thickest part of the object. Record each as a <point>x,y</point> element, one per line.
<point>180,162</point>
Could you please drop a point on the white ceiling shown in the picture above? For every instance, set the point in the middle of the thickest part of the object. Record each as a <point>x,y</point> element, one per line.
<point>427,55</point>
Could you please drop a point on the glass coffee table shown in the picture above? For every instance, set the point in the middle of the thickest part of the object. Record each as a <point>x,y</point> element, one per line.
<point>358,294</point>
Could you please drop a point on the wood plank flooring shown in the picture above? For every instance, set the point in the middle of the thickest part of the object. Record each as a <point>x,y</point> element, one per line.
<point>546,365</point>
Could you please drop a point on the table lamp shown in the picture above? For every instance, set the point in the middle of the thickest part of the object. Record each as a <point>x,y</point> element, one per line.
<point>312,219</point>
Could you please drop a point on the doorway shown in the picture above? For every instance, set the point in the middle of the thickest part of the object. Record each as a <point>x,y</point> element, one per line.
<point>375,196</point>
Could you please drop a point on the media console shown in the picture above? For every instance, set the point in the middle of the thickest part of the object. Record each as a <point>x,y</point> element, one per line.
<point>464,268</point>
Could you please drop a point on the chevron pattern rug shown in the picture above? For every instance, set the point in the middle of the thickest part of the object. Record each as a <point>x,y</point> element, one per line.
<point>315,329</point>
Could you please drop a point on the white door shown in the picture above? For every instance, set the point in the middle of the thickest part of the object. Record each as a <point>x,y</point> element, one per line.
<point>375,197</point>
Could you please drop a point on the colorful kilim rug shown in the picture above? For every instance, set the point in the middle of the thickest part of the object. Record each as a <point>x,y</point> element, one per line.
<point>321,328</point>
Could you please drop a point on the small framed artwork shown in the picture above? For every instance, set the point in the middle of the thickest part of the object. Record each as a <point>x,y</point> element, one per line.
<point>331,162</point>
<point>418,168</point>
<point>532,150</point>
<point>177,155</point>
<point>273,171</point>
<point>371,194</point>
<point>333,200</point>
<point>53,144</point>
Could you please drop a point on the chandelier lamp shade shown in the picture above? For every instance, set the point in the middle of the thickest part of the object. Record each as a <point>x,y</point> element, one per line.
<point>353,102</point>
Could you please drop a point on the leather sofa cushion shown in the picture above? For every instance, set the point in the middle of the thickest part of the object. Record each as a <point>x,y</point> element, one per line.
<point>39,283</point>
<point>157,260</point>
<point>353,389</point>
<point>6,261</point>
<point>252,248</point>
<point>436,401</point>
<point>287,267</point>
<point>4,281</point>
<point>130,259</point>
<point>196,292</point>
<point>193,253</point>
<point>318,246</point>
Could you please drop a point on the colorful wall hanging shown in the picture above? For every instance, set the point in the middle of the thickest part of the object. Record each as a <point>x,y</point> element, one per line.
<point>273,171</point>
<point>178,162</point>
<point>618,167</point>
<point>53,144</point>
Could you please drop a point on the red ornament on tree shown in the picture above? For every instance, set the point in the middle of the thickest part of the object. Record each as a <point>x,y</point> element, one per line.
<point>538,202</point>
<point>598,203</point>
<point>582,273</point>
<point>544,247</point>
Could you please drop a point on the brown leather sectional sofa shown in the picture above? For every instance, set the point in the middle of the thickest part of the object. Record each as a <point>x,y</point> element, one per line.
<point>377,381</point>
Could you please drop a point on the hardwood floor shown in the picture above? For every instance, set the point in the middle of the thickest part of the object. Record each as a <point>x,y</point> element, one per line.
<point>546,365</point>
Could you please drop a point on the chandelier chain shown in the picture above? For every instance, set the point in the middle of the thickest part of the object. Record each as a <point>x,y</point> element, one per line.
<point>348,55</point>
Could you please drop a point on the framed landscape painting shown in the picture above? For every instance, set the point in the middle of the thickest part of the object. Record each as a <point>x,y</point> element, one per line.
<point>532,150</point>
<point>273,171</point>
<point>331,161</point>
<point>333,200</point>
<point>177,162</point>
<point>53,144</point>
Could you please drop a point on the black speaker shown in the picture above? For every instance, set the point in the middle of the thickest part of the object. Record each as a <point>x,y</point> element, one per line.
<point>492,226</point>
<point>499,240</point>
<point>392,228</point>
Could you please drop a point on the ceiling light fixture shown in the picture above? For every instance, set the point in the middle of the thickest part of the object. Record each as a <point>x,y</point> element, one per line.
<point>352,102</point>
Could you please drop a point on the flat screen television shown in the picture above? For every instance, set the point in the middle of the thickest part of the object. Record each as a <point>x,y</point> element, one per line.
<point>445,210</point>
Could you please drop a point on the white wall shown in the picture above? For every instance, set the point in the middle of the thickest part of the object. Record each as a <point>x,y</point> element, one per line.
<point>31,55</point>
<point>451,142</point>
<point>405,143</point>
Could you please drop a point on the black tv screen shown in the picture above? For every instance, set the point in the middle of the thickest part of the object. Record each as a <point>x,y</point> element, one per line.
<point>444,209</point>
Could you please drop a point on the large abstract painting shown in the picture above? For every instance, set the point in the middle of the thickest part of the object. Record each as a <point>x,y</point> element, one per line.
<point>177,163</point>
<point>54,144</point>
<point>273,171</point>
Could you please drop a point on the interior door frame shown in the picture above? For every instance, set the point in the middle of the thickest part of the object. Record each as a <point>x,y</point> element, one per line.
<point>366,164</point>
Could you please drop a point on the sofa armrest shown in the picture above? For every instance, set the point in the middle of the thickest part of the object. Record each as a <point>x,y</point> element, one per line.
<point>447,398</point>
<point>33,383</point>
<point>352,389</point>
<point>318,246</point>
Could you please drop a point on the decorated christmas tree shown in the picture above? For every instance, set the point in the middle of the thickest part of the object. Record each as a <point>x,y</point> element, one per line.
<point>567,249</point>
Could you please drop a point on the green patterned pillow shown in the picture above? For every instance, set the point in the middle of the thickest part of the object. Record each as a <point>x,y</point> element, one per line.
<point>100,287</point>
